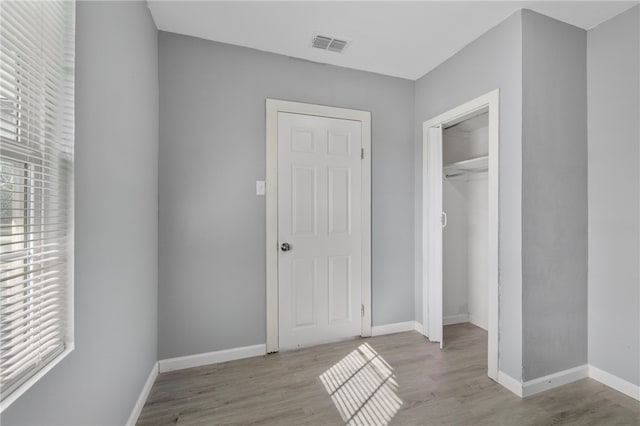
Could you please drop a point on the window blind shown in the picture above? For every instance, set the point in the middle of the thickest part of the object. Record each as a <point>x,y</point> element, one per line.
<point>36,186</point>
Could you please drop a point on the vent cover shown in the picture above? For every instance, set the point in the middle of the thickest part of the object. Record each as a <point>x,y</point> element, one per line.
<point>329,43</point>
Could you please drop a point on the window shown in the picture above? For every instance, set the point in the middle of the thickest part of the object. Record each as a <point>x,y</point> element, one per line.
<point>36,190</point>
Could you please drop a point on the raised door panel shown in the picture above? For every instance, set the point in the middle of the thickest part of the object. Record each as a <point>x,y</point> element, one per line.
<point>339,211</point>
<point>340,291</point>
<point>303,200</point>
<point>304,305</point>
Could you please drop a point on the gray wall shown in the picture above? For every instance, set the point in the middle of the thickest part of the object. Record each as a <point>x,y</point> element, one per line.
<point>115,228</point>
<point>212,150</point>
<point>492,61</point>
<point>554,196</point>
<point>613,71</point>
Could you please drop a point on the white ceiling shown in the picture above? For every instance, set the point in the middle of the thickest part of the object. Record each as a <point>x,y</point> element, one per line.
<point>402,39</point>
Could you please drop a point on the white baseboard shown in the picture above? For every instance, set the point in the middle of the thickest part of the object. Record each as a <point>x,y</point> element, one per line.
<point>137,408</point>
<point>475,321</point>
<point>420,328</point>
<point>510,383</point>
<point>615,382</point>
<point>541,384</point>
<point>398,327</point>
<point>455,319</point>
<point>197,360</point>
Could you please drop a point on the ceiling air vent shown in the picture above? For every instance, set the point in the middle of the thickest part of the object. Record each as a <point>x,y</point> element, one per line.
<point>329,43</point>
<point>337,45</point>
<point>320,42</point>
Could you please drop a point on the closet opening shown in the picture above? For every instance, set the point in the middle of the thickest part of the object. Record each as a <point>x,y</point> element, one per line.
<point>460,222</point>
<point>465,158</point>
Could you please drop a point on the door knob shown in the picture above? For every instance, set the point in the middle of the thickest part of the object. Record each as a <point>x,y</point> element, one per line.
<point>285,247</point>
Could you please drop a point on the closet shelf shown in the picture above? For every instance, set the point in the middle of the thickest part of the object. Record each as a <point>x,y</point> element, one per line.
<point>473,165</point>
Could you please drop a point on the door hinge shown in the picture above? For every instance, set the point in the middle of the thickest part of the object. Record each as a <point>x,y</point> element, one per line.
<point>362,310</point>
<point>362,153</point>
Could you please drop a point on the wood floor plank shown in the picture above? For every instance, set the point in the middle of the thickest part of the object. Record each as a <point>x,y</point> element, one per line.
<point>398,379</point>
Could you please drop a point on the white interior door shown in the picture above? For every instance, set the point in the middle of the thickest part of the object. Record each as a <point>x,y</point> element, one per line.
<point>319,229</point>
<point>434,233</point>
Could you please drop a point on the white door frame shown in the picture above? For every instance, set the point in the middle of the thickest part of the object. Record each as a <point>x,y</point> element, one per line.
<point>491,101</point>
<point>275,106</point>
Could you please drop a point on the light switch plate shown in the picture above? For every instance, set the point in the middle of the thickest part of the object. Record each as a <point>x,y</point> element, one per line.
<point>260,187</point>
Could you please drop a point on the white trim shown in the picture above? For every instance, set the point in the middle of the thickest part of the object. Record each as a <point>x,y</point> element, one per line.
<point>615,382</point>
<point>491,101</point>
<point>510,383</point>
<point>541,384</point>
<point>455,319</point>
<point>476,321</point>
<point>10,399</point>
<point>273,106</point>
<point>197,360</point>
<point>398,327</point>
<point>419,328</point>
<point>142,398</point>
<point>493,234</point>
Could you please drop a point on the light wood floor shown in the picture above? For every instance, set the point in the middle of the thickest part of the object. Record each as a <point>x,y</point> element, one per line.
<point>398,379</point>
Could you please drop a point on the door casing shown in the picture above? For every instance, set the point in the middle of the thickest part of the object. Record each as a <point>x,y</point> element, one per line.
<point>273,107</point>
<point>490,101</point>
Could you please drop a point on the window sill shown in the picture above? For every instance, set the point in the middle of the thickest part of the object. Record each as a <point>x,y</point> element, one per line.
<point>5,403</point>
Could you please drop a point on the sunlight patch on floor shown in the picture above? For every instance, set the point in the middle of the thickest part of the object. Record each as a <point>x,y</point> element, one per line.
<point>363,388</point>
